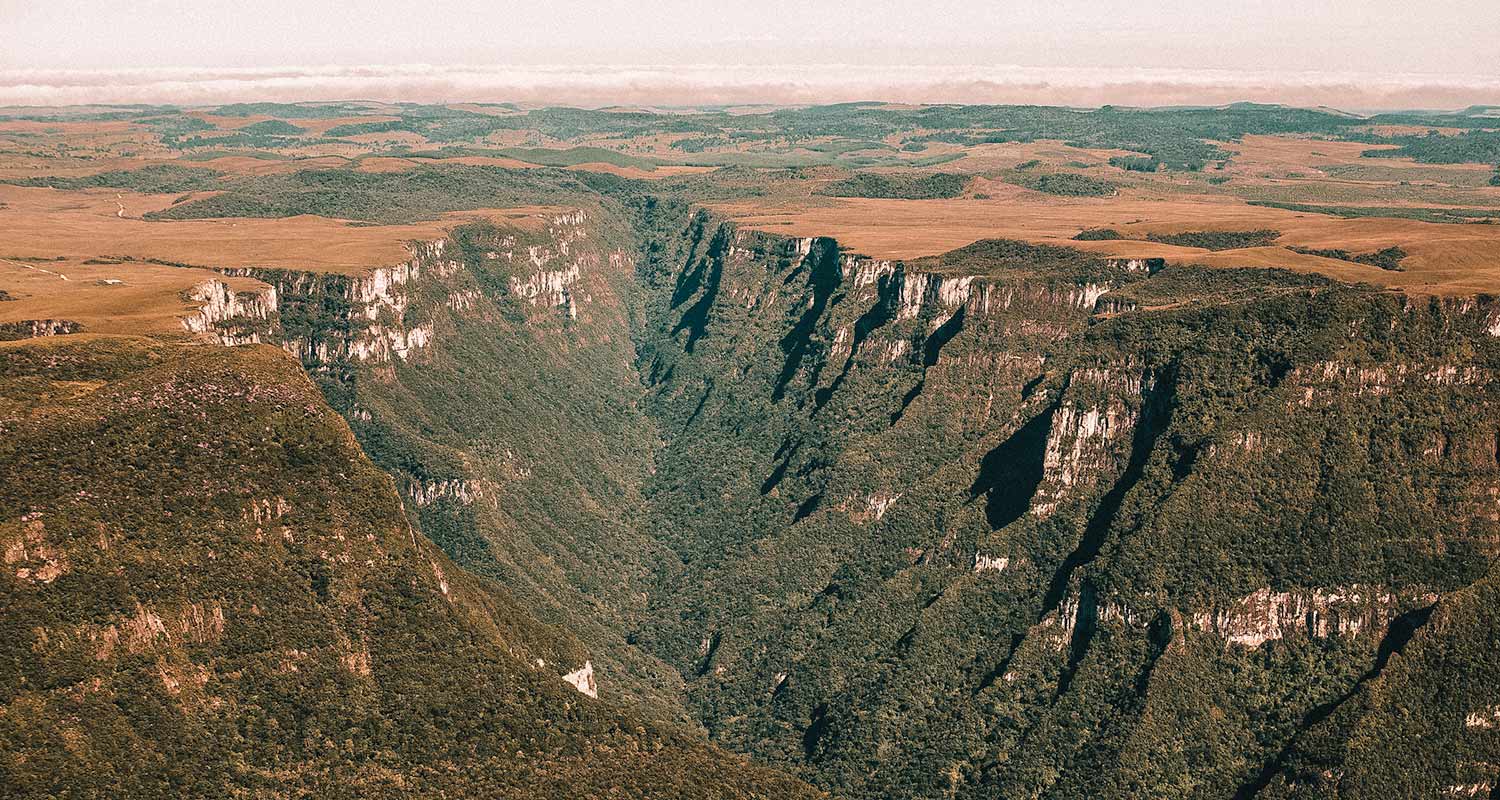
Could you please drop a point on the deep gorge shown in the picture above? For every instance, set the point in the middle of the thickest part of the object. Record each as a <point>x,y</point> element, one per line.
<point>1009,521</point>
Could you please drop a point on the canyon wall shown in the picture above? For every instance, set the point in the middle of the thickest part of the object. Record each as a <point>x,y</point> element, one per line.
<point>210,591</point>
<point>1014,520</point>
<point>492,374</point>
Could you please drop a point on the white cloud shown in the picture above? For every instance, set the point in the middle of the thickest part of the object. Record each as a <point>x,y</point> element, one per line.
<point>702,84</point>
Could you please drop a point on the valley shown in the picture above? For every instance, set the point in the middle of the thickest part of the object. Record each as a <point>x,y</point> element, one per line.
<point>370,449</point>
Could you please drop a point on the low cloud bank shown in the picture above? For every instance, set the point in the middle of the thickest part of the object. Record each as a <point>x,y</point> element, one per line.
<point>744,84</point>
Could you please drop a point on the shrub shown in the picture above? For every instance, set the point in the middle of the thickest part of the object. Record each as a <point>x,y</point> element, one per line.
<point>901,187</point>
<point>1136,163</point>
<point>273,127</point>
<point>1387,259</point>
<point>1067,184</point>
<point>1217,240</point>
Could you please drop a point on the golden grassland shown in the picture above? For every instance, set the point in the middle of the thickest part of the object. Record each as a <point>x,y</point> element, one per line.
<point>1009,155</point>
<point>103,223</point>
<point>127,297</point>
<point>1443,259</point>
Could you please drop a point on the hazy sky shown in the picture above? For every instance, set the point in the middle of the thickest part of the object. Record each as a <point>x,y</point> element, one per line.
<point>1168,49</point>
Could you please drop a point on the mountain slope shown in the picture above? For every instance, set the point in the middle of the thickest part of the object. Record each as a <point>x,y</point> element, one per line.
<point>1018,521</point>
<point>210,591</point>
<point>493,376</point>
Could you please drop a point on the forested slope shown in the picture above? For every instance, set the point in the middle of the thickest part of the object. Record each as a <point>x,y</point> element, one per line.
<point>210,591</point>
<point>1015,520</point>
<point>1020,522</point>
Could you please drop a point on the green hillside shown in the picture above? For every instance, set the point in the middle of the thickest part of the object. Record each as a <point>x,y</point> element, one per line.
<point>1013,519</point>
<point>211,592</point>
<point>936,549</point>
<point>1017,520</point>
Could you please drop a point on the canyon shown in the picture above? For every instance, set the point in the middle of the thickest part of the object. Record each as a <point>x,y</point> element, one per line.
<point>1018,502</point>
<point>573,482</point>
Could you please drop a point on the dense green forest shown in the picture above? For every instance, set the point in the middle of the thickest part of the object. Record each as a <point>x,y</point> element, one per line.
<point>1217,240</point>
<point>422,193</point>
<point>218,595</point>
<point>155,179</point>
<point>1015,520</point>
<point>1385,258</point>
<point>1066,184</point>
<point>866,569</point>
<point>1469,147</point>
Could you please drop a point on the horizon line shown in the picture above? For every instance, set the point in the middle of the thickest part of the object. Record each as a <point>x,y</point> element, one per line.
<point>698,85</point>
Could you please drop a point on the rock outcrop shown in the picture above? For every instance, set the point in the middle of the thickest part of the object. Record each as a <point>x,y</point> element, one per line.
<point>29,328</point>
<point>1265,615</point>
<point>231,317</point>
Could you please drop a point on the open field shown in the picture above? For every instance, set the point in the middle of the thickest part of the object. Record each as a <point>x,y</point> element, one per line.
<point>1444,259</point>
<point>987,157</point>
<point>46,223</point>
<point>126,297</point>
<point>1153,178</point>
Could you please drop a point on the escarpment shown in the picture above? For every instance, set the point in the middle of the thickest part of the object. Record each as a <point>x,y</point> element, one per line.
<point>231,317</point>
<point>246,610</point>
<point>1047,514</point>
<point>30,328</point>
<point>492,374</point>
<point>333,321</point>
<point>1014,520</point>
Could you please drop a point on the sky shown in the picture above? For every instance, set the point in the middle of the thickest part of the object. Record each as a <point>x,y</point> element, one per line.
<point>1353,54</point>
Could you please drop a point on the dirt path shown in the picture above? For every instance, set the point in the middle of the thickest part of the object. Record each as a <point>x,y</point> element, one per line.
<point>30,267</point>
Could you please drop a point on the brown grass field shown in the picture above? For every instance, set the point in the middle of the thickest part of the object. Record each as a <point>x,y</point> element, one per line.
<point>148,299</point>
<point>982,157</point>
<point>47,223</point>
<point>76,226</point>
<point>1444,259</point>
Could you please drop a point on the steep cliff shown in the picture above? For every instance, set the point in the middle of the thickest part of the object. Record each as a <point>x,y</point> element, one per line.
<point>492,374</point>
<point>232,317</point>
<point>26,329</point>
<point>1020,522</point>
<point>1011,521</point>
<point>209,591</point>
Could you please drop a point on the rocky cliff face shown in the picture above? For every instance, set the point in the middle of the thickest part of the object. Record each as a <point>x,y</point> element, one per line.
<point>1044,513</point>
<point>30,328</point>
<point>492,374</point>
<point>334,322</point>
<point>230,317</point>
<point>1266,616</point>
<point>1015,520</point>
<point>246,610</point>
